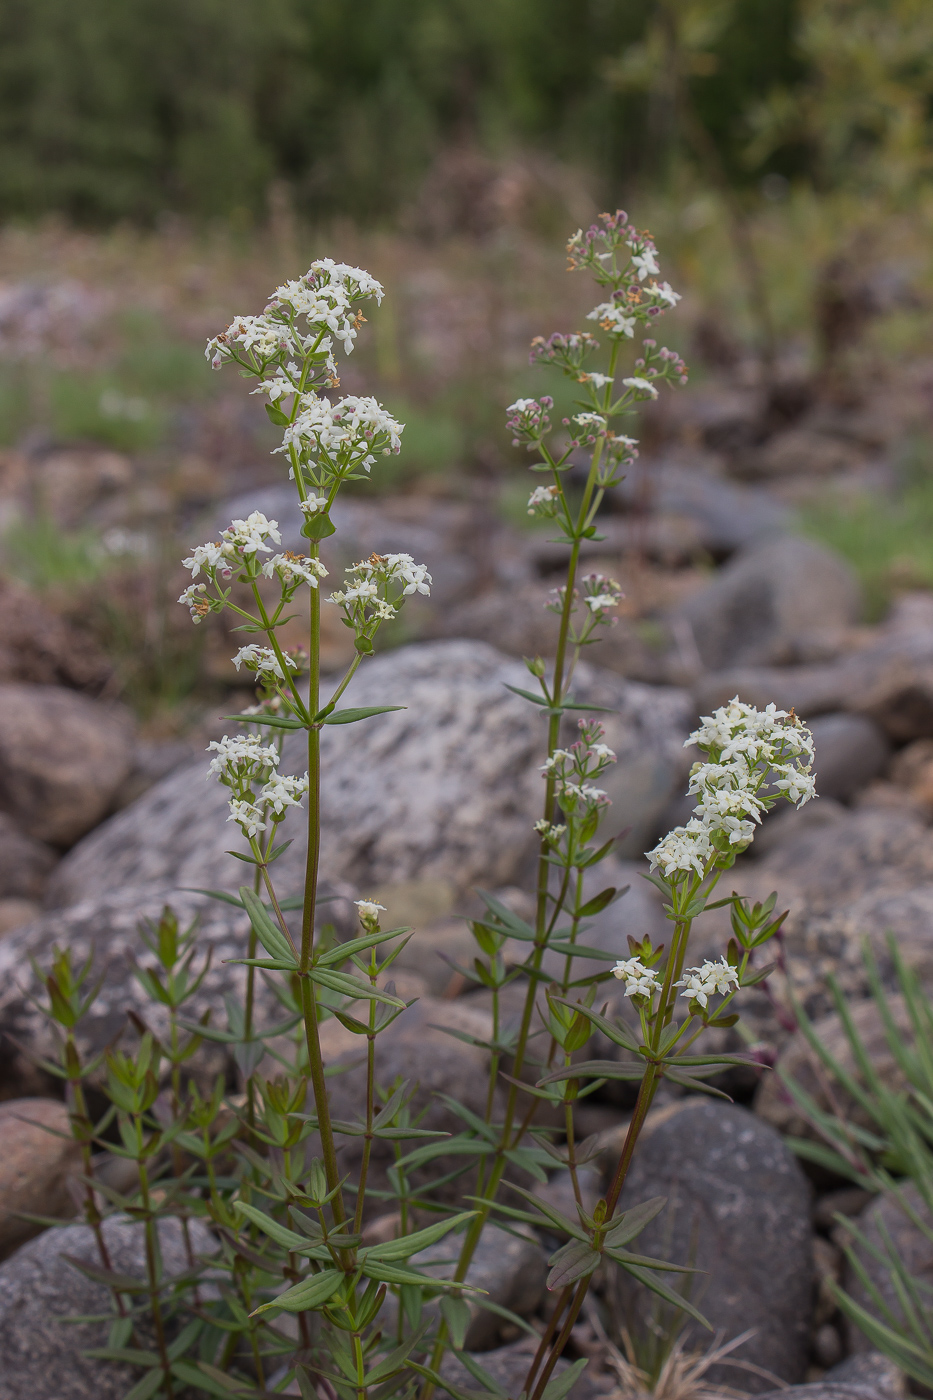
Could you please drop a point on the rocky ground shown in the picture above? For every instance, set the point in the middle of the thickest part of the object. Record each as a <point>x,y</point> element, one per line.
<point>102,821</point>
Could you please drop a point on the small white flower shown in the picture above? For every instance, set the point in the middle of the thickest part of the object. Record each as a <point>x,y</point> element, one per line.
<point>313,505</point>
<point>248,816</point>
<point>612,318</point>
<point>639,980</point>
<point>262,660</point>
<point>281,792</point>
<point>641,386</point>
<point>294,568</point>
<point>663,293</point>
<point>206,556</point>
<point>369,909</point>
<point>599,381</point>
<point>195,602</point>
<point>645,263</point>
<point>711,978</point>
<point>250,535</point>
<point>544,497</point>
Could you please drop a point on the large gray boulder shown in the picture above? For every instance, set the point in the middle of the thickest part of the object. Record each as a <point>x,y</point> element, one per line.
<point>739,1210</point>
<point>754,608</point>
<point>63,758</point>
<point>42,1353</point>
<point>447,789</point>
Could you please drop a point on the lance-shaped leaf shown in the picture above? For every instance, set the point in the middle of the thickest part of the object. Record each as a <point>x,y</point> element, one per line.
<point>349,986</point>
<point>562,1384</point>
<point>598,903</point>
<point>310,1293</point>
<point>575,1260</point>
<point>632,1222</point>
<point>274,721</point>
<point>288,1239</point>
<point>568,1227</point>
<point>649,1278</point>
<point>355,945</point>
<point>695,1084</point>
<point>361,712</point>
<point>269,934</point>
<point>385,1272</point>
<point>459,1392</point>
<point>411,1244</point>
<point>602,1069</point>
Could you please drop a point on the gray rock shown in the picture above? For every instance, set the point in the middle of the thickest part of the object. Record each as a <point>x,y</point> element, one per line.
<point>728,516</point>
<point>39,1156</point>
<point>810,690</point>
<point>870,1369</point>
<point>738,1208</point>
<point>107,927</point>
<point>850,751</point>
<point>890,681</point>
<point>62,760</point>
<point>765,596</point>
<point>25,863</point>
<point>887,1219</point>
<point>42,1355</point>
<point>446,789</point>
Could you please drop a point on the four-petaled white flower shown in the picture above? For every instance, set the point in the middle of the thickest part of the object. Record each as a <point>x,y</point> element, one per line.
<point>369,909</point>
<point>639,980</point>
<point>645,263</point>
<point>281,792</point>
<point>248,816</point>
<point>295,568</point>
<point>613,319</point>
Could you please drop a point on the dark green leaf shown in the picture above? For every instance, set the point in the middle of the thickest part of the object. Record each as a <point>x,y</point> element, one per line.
<point>571,1262</point>
<point>310,1293</point>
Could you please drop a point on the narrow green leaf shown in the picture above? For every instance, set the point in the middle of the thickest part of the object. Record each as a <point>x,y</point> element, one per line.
<point>457,1314</point>
<point>305,1296</point>
<point>356,945</point>
<point>273,721</point>
<point>632,1222</point>
<point>269,934</point>
<point>562,1384</point>
<point>351,987</point>
<point>364,712</point>
<point>602,1069</point>
<point>410,1244</point>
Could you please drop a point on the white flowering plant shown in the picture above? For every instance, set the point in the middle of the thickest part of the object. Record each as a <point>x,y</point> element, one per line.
<point>295,1299</point>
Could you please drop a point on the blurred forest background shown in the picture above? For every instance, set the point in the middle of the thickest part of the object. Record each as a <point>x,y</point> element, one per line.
<point>162,166</point>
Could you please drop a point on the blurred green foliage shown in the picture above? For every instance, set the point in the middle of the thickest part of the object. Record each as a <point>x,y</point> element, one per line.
<point>888,539</point>
<point>127,110</point>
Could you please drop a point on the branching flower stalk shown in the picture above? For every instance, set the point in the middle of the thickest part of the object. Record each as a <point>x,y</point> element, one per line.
<point>297,1287</point>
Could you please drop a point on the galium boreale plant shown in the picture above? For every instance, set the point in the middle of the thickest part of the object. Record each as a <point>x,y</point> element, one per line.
<point>295,1293</point>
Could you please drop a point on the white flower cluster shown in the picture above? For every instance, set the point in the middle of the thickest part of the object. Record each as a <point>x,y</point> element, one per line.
<point>612,316</point>
<point>755,756</point>
<point>294,569</point>
<point>324,296</point>
<point>263,661</point>
<point>347,429</point>
<point>601,595</point>
<point>573,769</point>
<point>241,540</point>
<point>639,980</point>
<point>372,580</point>
<point>710,979</point>
<point>241,763</point>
